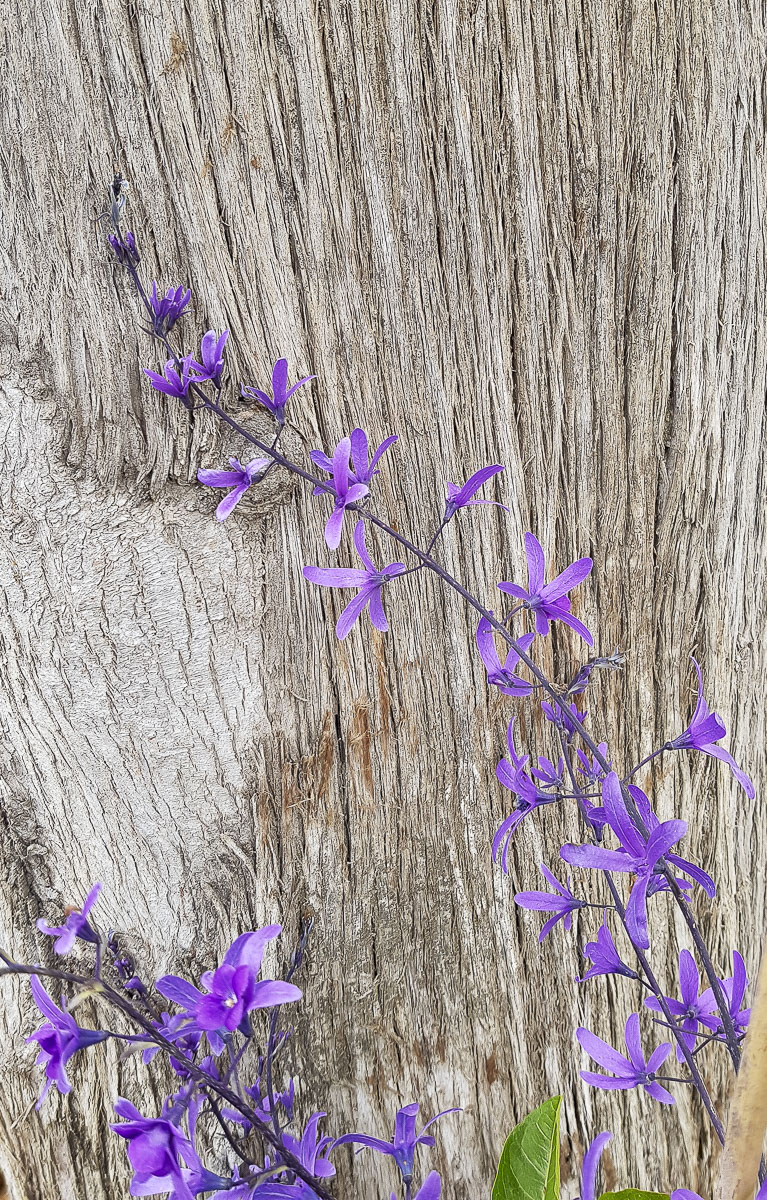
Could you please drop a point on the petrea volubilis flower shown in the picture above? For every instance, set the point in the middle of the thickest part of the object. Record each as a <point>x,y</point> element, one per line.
<point>369,581</point>
<point>171,382</point>
<point>590,1166</point>
<point>402,1147</point>
<point>734,989</point>
<point>502,677</point>
<point>168,309</point>
<point>233,989</point>
<point>361,470</point>
<point>562,903</point>
<point>628,1072</point>
<point>638,855</point>
<point>311,1150</point>
<point>692,1008</point>
<point>280,391</point>
<point>461,497</point>
<point>58,1038</point>
<point>550,602</point>
<point>651,822</point>
<point>605,959</point>
<point>430,1189</point>
<point>75,926</point>
<point>704,730</point>
<point>344,491</point>
<point>558,714</point>
<point>239,479</point>
<point>529,797</point>
<point>124,247</point>
<point>212,355</point>
<point>154,1146</point>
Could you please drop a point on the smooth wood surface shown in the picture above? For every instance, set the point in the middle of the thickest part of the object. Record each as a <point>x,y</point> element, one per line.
<point>530,234</point>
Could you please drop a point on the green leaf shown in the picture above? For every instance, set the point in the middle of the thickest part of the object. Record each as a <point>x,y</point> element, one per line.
<point>529,1166</point>
<point>634,1194</point>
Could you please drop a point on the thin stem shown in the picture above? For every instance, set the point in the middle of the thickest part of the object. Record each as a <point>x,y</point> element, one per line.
<point>227,1132</point>
<point>648,758</point>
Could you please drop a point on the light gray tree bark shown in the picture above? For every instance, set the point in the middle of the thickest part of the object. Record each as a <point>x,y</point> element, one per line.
<point>531,234</point>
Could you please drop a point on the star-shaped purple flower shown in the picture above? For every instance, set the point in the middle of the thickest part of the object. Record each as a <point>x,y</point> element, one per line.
<point>75,926</point>
<point>154,1146</point>
<point>550,602</point>
<point>628,1072</point>
<point>369,581</point>
<point>638,855</point>
<point>402,1147</point>
<point>511,774</point>
<point>239,479</point>
<point>58,1038</point>
<point>562,903</point>
<point>168,309</point>
<point>605,959</point>
<point>704,730</point>
<point>502,677</point>
<point>461,497</point>
<point>734,989</point>
<point>590,1164</point>
<point>558,714</point>
<point>344,490</point>
<point>233,990</point>
<point>692,1009</point>
<point>212,355</point>
<point>280,391</point>
<point>171,382</point>
<point>311,1150</point>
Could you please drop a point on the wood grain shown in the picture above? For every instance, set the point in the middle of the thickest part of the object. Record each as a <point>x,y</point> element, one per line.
<point>521,233</point>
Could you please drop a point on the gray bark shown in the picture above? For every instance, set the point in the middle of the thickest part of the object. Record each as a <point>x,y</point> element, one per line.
<point>530,234</point>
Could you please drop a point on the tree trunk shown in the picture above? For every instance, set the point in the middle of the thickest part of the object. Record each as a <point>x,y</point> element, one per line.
<point>529,234</point>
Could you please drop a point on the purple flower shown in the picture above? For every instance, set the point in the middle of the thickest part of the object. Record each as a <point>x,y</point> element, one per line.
<point>362,471</point>
<point>75,926</point>
<point>168,309</point>
<point>154,1146</point>
<point>704,730</point>
<point>686,1194</point>
<point>175,1029</point>
<point>170,382</point>
<point>58,1038</point>
<point>550,601</point>
<point>124,247</point>
<point>638,855</point>
<point>345,490</point>
<point>692,1008</point>
<point>280,392</point>
<point>734,989</point>
<point>659,883</point>
<point>546,773</point>
<point>239,479</point>
<point>563,903</point>
<point>402,1148</point>
<point>562,716</point>
<point>590,1164</point>
<point>461,497</point>
<point>212,354</point>
<point>628,1072</point>
<point>604,956</point>
<point>512,775</point>
<point>591,771</point>
<point>311,1151</point>
<point>233,989</point>
<point>502,677</point>
<point>370,581</point>
<point>430,1189</point>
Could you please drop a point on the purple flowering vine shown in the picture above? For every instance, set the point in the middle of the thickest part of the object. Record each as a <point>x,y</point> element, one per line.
<point>369,581</point>
<point>550,601</point>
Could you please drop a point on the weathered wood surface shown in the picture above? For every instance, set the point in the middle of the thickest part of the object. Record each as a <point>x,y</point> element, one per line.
<point>527,234</point>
